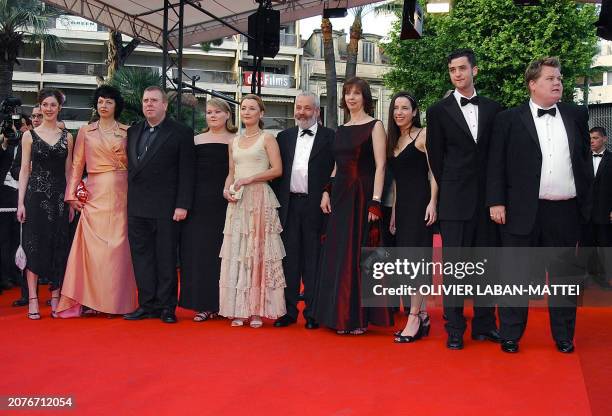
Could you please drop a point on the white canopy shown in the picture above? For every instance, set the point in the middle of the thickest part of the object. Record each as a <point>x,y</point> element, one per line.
<point>144,19</point>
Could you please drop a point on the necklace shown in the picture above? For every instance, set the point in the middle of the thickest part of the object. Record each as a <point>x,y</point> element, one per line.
<point>112,128</point>
<point>248,136</point>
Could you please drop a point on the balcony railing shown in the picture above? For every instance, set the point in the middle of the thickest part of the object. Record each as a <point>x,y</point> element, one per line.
<point>217,77</point>
<point>75,68</point>
<point>28,65</point>
<point>75,113</point>
<point>278,123</point>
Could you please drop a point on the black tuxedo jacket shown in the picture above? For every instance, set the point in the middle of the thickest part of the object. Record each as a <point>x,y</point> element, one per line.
<point>320,166</point>
<point>602,191</point>
<point>515,162</point>
<point>164,177</point>
<point>6,160</point>
<point>459,163</point>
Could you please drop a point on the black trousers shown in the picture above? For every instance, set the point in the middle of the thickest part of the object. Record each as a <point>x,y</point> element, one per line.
<point>557,225</point>
<point>302,241</point>
<point>597,238</point>
<point>9,236</point>
<point>479,231</point>
<point>153,244</point>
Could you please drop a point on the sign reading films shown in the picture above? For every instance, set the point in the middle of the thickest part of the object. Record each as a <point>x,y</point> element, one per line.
<point>267,80</point>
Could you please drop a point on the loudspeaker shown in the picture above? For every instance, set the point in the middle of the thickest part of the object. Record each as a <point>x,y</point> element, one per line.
<point>604,24</point>
<point>264,27</point>
<point>412,20</point>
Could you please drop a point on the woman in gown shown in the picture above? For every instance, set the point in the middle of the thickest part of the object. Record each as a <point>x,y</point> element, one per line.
<point>99,274</point>
<point>202,232</point>
<point>252,283</point>
<point>355,208</point>
<point>45,166</point>
<point>416,196</point>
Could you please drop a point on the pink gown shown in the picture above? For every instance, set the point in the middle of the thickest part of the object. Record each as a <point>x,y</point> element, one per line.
<point>99,273</point>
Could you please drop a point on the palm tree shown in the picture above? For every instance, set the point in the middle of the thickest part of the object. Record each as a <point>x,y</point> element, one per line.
<point>353,46</point>
<point>331,117</point>
<point>117,53</point>
<point>22,22</point>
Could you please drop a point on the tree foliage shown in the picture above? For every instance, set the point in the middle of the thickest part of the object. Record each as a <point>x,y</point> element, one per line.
<point>505,38</point>
<point>132,81</point>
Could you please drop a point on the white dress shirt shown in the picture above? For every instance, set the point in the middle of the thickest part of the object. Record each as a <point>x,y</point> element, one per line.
<point>470,113</point>
<point>597,161</point>
<point>557,178</point>
<point>299,170</point>
<point>9,180</point>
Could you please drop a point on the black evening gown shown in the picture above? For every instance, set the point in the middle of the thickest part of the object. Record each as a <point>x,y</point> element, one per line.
<point>46,230</point>
<point>202,232</point>
<point>337,303</point>
<point>413,192</point>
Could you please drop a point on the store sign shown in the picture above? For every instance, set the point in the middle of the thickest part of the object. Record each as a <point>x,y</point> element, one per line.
<point>66,22</point>
<point>267,80</point>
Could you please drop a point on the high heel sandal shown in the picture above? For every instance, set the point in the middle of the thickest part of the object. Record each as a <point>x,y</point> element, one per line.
<point>425,324</point>
<point>256,322</point>
<point>53,310</point>
<point>35,316</point>
<point>404,339</point>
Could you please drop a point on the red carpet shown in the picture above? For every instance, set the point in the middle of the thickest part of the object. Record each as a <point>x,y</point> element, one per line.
<point>116,367</point>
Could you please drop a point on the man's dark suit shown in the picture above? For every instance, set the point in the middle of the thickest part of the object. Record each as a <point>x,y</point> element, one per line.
<point>598,232</point>
<point>159,182</point>
<point>9,227</point>
<point>459,165</point>
<point>301,215</point>
<point>515,163</point>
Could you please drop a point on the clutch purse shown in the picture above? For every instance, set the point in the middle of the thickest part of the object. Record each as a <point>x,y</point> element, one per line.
<point>81,192</point>
<point>236,194</point>
<point>20,257</point>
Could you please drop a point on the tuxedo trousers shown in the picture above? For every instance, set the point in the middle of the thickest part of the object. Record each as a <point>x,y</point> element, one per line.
<point>302,241</point>
<point>478,231</point>
<point>557,225</point>
<point>153,245</point>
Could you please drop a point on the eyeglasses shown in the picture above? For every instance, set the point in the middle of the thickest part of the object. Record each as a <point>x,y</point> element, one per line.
<point>37,116</point>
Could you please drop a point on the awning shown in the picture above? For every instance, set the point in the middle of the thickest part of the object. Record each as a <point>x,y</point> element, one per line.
<point>144,19</point>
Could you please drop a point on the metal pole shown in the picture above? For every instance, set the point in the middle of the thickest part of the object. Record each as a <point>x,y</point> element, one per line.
<point>179,94</point>
<point>165,44</point>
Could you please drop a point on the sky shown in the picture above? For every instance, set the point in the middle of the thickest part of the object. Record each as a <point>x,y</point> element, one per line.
<point>371,23</point>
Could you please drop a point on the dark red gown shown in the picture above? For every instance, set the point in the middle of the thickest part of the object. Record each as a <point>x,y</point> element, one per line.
<point>337,303</point>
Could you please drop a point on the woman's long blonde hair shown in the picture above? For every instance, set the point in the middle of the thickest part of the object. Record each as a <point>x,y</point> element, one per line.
<point>223,106</point>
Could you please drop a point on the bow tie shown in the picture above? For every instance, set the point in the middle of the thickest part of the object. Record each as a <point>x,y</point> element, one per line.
<point>597,155</point>
<point>306,131</point>
<point>465,101</point>
<point>551,111</point>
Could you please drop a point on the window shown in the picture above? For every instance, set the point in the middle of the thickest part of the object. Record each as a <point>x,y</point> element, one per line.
<point>368,52</point>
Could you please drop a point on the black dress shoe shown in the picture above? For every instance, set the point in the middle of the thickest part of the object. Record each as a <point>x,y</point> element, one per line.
<point>139,314</point>
<point>20,302</point>
<point>454,342</point>
<point>311,324</point>
<point>509,346</point>
<point>168,316</point>
<point>492,336</point>
<point>565,346</point>
<point>284,321</point>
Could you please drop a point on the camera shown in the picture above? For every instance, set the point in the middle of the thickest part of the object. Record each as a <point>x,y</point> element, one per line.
<point>10,120</point>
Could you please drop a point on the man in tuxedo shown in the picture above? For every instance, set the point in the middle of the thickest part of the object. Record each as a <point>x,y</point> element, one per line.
<point>307,165</point>
<point>598,233</point>
<point>458,135</point>
<point>161,170</point>
<point>9,227</point>
<point>539,181</point>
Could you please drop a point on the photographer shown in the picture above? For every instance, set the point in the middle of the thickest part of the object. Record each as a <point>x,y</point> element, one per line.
<point>9,227</point>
